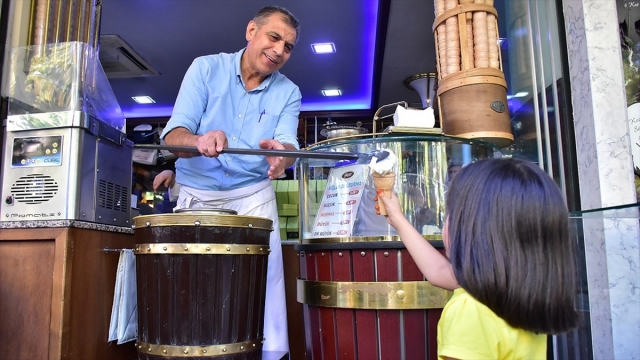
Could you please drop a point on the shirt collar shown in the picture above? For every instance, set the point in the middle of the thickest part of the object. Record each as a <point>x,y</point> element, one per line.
<point>237,61</point>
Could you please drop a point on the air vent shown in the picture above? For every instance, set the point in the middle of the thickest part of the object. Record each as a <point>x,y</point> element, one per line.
<point>120,60</point>
<point>113,196</point>
<point>34,189</point>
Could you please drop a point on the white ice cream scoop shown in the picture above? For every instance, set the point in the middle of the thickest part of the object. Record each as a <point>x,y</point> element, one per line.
<point>384,163</point>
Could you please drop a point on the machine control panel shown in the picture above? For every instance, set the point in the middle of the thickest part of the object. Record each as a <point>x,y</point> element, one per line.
<point>37,151</point>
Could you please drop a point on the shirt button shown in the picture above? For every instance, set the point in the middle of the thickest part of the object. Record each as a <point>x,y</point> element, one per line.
<point>234,138</point>
<point>227,175</point>
<point>239,115</point>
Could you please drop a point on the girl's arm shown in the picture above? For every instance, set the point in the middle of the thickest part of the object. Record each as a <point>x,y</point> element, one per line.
<point>433,265</point>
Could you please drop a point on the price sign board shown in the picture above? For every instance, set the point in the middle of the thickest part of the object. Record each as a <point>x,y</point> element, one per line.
<point>340,202</point>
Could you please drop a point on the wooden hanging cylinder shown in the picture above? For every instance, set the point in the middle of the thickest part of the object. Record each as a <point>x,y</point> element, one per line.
<point>472,93</point>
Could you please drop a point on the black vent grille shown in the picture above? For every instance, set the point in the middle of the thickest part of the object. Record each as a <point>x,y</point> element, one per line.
<point>34,189</point>
<point>113,196</point>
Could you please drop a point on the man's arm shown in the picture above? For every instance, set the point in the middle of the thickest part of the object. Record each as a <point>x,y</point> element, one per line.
<point>433,265</point>
<point>209,144</point>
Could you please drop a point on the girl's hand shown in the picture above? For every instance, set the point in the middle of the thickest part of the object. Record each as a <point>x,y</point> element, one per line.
<point>392,205</point>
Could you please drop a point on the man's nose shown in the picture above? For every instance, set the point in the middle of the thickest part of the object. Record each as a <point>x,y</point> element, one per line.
<point>279,48</point>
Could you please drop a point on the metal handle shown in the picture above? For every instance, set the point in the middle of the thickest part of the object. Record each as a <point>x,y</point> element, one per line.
<point>261,152</point>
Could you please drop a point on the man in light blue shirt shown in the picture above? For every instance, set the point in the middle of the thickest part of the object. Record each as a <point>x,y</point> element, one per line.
<point>240,100</point>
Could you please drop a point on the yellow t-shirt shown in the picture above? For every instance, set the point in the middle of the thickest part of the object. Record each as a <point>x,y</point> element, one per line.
<point>469,330</point>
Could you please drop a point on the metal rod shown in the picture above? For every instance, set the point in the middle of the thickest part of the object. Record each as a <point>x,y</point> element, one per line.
<point>114,250</point>
<point>260,152</point>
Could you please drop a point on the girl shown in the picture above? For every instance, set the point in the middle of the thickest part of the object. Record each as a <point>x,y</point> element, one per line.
<point>510,261</point>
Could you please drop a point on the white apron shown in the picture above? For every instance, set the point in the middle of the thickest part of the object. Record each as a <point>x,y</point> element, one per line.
<point>256,200</point>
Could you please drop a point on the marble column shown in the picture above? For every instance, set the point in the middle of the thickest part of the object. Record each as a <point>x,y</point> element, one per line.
<point>605,173</point>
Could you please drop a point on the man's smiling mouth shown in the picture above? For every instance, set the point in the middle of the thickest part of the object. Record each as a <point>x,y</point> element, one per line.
<point>271,59</point>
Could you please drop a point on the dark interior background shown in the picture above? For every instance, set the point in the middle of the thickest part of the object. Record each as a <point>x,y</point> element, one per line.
<point>166,35</point>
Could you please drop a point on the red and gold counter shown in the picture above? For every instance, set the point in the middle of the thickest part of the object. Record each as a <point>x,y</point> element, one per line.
<point>362,293</point>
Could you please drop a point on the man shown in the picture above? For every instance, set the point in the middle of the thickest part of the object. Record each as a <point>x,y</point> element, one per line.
<point>240,100</point>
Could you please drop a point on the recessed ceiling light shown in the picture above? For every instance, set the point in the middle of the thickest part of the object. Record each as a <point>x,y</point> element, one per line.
<point>323,48</point>
<point>143,99</point>
<point>331,92</point>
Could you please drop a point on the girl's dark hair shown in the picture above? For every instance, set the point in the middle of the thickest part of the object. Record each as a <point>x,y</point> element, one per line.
<point>509,244</point>
<point>287,17</point>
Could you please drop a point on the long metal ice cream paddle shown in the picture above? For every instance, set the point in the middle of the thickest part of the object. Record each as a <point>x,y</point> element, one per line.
<point>363,158</point>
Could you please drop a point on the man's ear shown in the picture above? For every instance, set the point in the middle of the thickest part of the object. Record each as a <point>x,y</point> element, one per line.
<point>252,27</point>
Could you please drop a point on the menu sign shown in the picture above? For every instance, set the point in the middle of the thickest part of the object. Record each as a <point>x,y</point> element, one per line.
<point>340,202</point>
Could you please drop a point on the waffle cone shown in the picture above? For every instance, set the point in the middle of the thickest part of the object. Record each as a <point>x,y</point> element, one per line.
<point>383,182</point>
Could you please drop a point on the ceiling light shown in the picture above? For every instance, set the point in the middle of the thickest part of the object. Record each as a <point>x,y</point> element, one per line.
<point>521,94</point>
<point>143,99</point>
<point>331,92</point>
<point>323,48</point>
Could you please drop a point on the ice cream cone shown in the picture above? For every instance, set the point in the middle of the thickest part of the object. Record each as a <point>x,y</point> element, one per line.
<point>383,182</point>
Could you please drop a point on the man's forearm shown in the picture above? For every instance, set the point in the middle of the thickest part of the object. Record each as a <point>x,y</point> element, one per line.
<point>181,137</point>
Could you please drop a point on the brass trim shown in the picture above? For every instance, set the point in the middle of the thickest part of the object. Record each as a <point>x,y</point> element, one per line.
<point>197,350</point>
<point>399,295</point>
<point>342,138</point>
<point>485,134</point>
<point>355,239</point>
<point>413,130</point>
<point>179,219</point>
<point>201,249</point>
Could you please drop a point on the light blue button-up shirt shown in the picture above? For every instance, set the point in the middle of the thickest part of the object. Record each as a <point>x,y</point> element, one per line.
<point>213,96</point>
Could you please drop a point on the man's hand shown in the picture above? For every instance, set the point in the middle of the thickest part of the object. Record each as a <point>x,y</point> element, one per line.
<point>278,163</point>
<point>209,144</point>
<point>212,143</point>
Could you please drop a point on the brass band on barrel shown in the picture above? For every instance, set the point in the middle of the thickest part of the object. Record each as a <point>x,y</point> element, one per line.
<point>201,249</point>
<point>196,350</point>
<point>187,219</point>
<point>354,239</point>
<point>372,295</point>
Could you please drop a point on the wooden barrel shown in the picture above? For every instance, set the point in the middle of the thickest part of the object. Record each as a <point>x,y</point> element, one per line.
<point>201,281</point>
<point>472,91</point>
<point>367,300</point>
<point>475,107</point>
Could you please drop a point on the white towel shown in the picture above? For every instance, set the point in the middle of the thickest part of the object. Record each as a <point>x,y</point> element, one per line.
<point>124,313</point>
<point>411,117</point>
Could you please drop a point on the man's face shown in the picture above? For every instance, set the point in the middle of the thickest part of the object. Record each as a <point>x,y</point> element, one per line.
<point>270,45</point>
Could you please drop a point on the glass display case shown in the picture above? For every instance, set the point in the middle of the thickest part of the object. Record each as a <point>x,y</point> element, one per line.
<point>607,257</point>
<point>333,209</point>
<point>59,85</point>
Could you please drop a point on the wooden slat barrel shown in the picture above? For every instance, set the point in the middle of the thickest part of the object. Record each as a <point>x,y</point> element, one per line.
<point>472,91</point>
<point>367,300</point>
<point>201,281</point>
